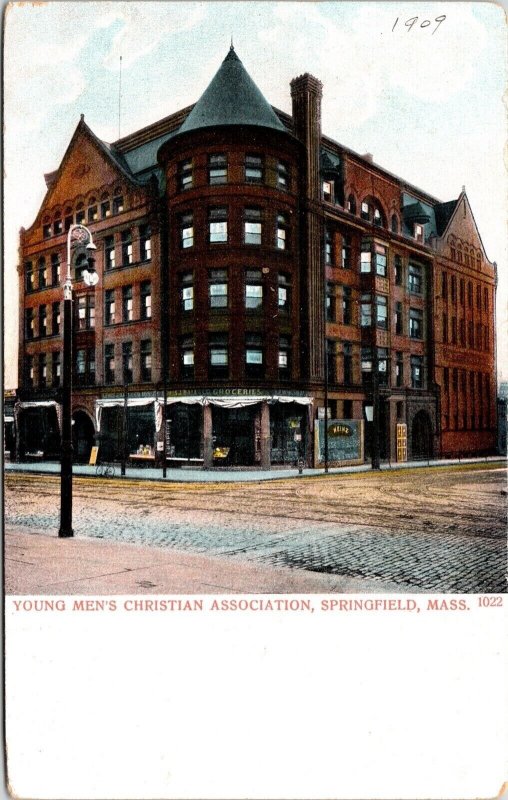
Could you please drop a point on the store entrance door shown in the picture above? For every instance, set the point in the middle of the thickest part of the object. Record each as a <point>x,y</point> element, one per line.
<point>234,435</point>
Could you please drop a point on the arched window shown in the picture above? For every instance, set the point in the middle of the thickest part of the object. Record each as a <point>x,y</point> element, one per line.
<point>93,212</point>
<point>459,254</point>
<point>105,206</point>
<point>57,223</point>
<point>371,211</point>
<point>395,224</point>
<point>68,218</point>
<point>80,214</point>
<point>351,204</point>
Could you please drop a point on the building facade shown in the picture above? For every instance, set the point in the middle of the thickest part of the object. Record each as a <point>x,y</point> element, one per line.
<point>251,272</point>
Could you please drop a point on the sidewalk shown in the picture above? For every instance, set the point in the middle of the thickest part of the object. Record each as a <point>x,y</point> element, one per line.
<point>197,475</point>
<point>36,563</point>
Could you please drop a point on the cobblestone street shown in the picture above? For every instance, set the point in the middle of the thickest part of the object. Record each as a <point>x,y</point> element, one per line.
<point>436,529</point>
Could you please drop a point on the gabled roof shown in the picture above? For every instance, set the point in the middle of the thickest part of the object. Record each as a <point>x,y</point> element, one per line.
<point>232,98</point>
<point>444,213</point>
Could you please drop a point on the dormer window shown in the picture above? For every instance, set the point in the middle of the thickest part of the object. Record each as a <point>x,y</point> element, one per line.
<point>327,187</point>
<point>418,232</point>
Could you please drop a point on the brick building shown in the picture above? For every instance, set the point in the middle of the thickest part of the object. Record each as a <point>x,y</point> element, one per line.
<point>249,267</point>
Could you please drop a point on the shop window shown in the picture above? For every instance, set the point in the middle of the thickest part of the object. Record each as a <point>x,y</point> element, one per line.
<point>351,204</point>
<point>284,358</point>
<point>68,219</point>
<point>118,205</point>
<point>187,357</point>
<point>146,300</point>
<point>105,207</point>
<point>29,371</point>
<point>218,363</point>
<point>109,307</point>
<point>29,277</point>
<point>57,225</point>
<point>282,176</point>
<point>281,234</point>
<point>126,248</point>
<point>145,242</point>
<point>417,381</point>
<point>347,349</point>
<point>254,361</point>
<point>284,292</point>
<point>186,231</point>
<point>56,369</point>
<point>109,252</point>
<point>93,210</point>
<point>399,319</point>
<point>42,273</point>
<point>366,311</point>
<point>252,226</point>
<point>146,359</point>
<point>331,304</point>
<point>43,320</point>
<point>29,323</point>
<point>347,305</point>
<point>253,290</point>
<point>415,279</point>
<point>217,225</point>
<point>217,169</point>
<point>185,176</point>
<point>383,365</point>
<point>127,370</point>
<point>43,370</point>
<point>218,288</point>
<point>254,168</point>
<point>55,269</point>
<point>382,312</point>
<point>399,369</point>
<point>80,214</point>
<point>55,318</point>
<point>415,323</point>
<point>346,251</point>
<point>127,307</point>
<point>331,360</point>
<point>187,291</point>
<point>109,363</point>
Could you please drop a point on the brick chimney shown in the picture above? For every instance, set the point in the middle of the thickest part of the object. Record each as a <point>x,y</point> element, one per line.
<point>306,94</point>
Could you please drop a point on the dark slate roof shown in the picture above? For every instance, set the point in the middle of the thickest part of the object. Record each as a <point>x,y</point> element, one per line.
<point>232,98</point>
<point>329,162</point>
<point>444,212</point>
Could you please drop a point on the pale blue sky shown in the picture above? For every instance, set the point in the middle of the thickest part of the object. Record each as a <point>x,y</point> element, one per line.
<point>427,105</point>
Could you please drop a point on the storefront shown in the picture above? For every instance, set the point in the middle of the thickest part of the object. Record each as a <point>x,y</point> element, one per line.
<point>38,429</point>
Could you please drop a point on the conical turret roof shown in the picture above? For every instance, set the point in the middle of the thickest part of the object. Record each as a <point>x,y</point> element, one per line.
<point>232,98</point>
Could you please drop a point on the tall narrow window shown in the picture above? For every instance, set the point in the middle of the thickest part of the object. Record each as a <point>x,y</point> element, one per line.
<point>146,359</point>
<point>217,225</point>
<point>383,365</point>
<point>284,358</point>
<point>187,357</point>
<point>365,211</point>
<point>43,320</point>
<point>415,279</point>
<point>91,365</point>
<point>328,248</point>
<point>55,318</point>
<point>55,269</point>
<point>394,224</point>
<point>415,323</point>
<point>109,363</point>
<point>187,291</point>
<point>417,378</point>
<point>399,320</point>
<point>127,309</point>
<point>399,369</point>
<point>127,370</point>
<point>145,242</point>
<point>56,373</point>
<point>282,176</point>
<point>377,218</point>
<point>218,288</point>
<point>418,232</point>
<point>80,214</point>
<point>46,230</point>
<point>366,311</point>
<point>331,360</point>
<point>29,323</point>
<point>109,307</point>
<point>462,293</point>
<point>58,224</point>
<point>253,168</point>
<point>93,211</point>
<point>146,300</point>
<point>366,258</point>
<point>351,204</point>
<point>85,305</point>
<point>347,305</point>
<point>126,248</point>
<point>69,218</point>
<point>253,290</point>
<point>186,231</point>
<point>252,226</point>
<point>185,175</point>
<point>29,371</point>
<point>281,234</point>
<point>284,292</point>
<point>382,312</point>
<point>29,277</point>
<point>347,349</point>
<point>218,355</point>
<point>80,367</point>
<point>43,370</point>
<point>254,361</point>
<point>331,304</point>
<point>105,207</point>
<point>118,202</point>
<point>327,188</point>
<point>454,330</point>
<point>445,328</point>
<point>217,169</point>
<point>43,275</point>
<point>109,252</point>
<point>398,270</point>
<point>453,287</point>
<point>444,286</point>
<point>346,251</point>
<point>80,266</point>
<point>380,257</point>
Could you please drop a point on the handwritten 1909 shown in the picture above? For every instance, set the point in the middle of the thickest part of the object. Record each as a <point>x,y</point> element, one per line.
<point>409,23</point>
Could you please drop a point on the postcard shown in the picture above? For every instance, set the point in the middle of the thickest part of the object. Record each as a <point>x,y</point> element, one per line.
<point>255,390</point>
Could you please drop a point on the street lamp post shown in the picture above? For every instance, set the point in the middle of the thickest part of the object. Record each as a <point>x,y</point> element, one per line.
<point>81,235</point>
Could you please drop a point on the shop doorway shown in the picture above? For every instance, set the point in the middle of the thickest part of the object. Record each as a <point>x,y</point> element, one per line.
<point>288,432</point>
<point>236,435</point>
<point>83,434</point>
<point>184,431</point>
<point>421,436</point>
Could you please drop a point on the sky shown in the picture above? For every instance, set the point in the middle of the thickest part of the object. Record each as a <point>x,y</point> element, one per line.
<point>425,99</point>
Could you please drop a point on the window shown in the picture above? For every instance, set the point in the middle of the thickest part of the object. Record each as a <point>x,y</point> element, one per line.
<point>218,225</point>
<point>282,176</point>
<point>252,226</point>
<point>394,224</point>
<point>346,251</point>
<point>57,225</point>
<point>43,320</point>
<point>85,305</point>
<point>485,299</point>
<point>399,369</point>
<point>380,259</point>
<point>331,306</point>
<point>466,258</point>
<point>127,362</point>
<point>462,332</point>
<point>454,330</point>
<point>478,297</point>
<point>253,168</point>
<point>453,253</point>
<point>46,230</point>
<point>29,323</point>
<point>281,234</point>
<point>382,312</point>
<point>145,242</point>
<point>109,307</point>
<point>93,211</point>
<point>126,248</point>
<point>43,370</point>
<point>417,372</point>
<point>146,359</point>
<point>55,318</point>
<point>478,335</point>
<point>399,319</point>
<point>185,179</point>
<point>418,232</point>
<point>327,188</point>
<point>29,277</point>
<point>253,289</point>
<point>347,305</point>
<point>42,272</point>
<point>462,292</point>
<point>56,371</point>
<point>91,364</point>
<point>365,258</point>
<point>80,214</point>
<point>127,310</point>
<point>347,349</point>
<point>217,169</point>
<point>366,311</point>
<point>486,343</point>
<point>328,248</point>
<point>444,286</point>
<point>186,231</point>
<point>109,363</point>
<point>146,300</point>
<point>29,371</point>
<point>80,368</point>
<point>378,219</point>
<point>453,287</point>
<point>365,211</point>
<point>415,323</point>
<point>415,279</point>
<point>109,252</point>
<point>187,357</point>
<point>80,267</point>
<point>284,358</point>
<point>446,379</point>
<point>69,219</point>
<point>445,328</point>
<point>187,291</point>
<point>118,204</point>
<point>105,207</point>
<point>85,366</point>
<point>459,254</point>
<point>218,288</point>
<point>254,366</point>
<point>55,269</point>
<point>284,292</point>
<point>382,365</point>
<point>398,270</point>
<point>351,204</point>
<point>218,355</point>
<point>470,333</point>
